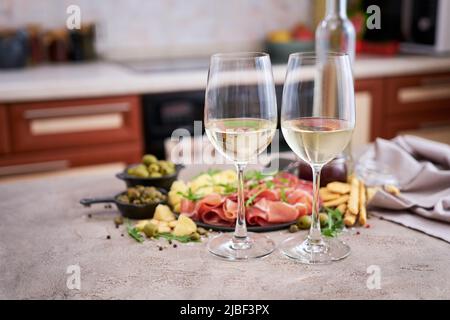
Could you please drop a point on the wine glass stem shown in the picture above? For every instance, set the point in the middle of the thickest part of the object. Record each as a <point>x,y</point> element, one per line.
<point>314,232</point>
<point>240,232</point>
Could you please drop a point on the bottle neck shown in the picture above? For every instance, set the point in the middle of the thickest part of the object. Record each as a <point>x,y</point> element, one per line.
<point>337,8</point>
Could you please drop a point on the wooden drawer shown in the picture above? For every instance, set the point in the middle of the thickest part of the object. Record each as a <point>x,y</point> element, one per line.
<point>74,123</point>
<point>411,94</point>
<point>58,159</point>
<point>4,131</point>
<point>417,121</point>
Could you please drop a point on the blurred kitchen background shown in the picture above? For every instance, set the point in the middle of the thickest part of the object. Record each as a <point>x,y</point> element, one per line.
<point>136,70</point>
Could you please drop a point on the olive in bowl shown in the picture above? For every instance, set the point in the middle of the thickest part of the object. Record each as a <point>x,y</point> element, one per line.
<point>151,172</point>
<point>135,203</point>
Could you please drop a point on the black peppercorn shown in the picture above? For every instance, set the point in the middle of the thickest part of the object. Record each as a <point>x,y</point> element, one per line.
<point>108,237</point>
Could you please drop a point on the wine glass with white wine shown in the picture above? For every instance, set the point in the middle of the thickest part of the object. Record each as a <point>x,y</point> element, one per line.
<point>240,121</point>
<point>317,121</point>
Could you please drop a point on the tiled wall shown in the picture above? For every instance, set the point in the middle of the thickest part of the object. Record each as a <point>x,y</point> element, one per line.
<point>130,28</point>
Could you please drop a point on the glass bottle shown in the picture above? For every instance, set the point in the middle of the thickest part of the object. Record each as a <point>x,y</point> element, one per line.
<point>336,33</point>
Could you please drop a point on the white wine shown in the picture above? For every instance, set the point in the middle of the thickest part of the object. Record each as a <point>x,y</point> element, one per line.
<point>317,140</point>
<point>240,139</point>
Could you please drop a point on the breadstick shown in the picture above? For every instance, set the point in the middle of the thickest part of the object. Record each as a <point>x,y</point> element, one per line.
<point>336,202</point>
<point>371,192</point>
<point>392,189</point>
<point>354,197</point>
<point>342,207</point>
<point>338,187</point>
<point>362,205</point>
<point>326,195</point>
<point>349,218</point>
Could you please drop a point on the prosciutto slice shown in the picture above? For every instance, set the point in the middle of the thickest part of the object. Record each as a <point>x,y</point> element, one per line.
<point>286,200</point>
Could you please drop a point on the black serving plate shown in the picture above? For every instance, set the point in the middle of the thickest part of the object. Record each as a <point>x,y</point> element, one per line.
<point>274,227</point>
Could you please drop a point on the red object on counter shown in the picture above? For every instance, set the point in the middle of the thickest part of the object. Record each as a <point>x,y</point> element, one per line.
<point>388,48</point>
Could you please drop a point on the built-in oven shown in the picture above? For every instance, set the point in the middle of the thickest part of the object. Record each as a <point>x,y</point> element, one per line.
<point>163,113</point>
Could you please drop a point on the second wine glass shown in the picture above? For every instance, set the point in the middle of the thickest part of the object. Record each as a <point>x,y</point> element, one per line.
<point>317,120</point>
<point>240,121</point>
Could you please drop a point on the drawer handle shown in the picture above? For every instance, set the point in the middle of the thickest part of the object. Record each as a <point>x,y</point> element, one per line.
<point>417,94</point>
<point>77,110</point>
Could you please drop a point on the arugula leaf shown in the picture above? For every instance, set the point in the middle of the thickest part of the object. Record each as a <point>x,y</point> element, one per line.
<point>335,223</point>
<point>190,195</point>
<point>283,195</point>
<point>212,171</point>
<point>250,200</point>
<point>134,233</point>
<point>254,175</point>
<point>229,187</point>
<point>270,184</point>
<point>170,236</point>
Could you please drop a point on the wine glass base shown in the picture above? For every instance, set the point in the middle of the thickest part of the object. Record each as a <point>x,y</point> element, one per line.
<point>252,247</point>
<point>323,252</point>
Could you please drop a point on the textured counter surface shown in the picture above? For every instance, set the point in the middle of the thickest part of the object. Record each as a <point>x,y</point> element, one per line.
<point>43,230</point>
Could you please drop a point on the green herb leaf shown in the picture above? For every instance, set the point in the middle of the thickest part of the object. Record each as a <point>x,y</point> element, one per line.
<point>134,233</point>
<point>283,195</point>
<point>228,187</point>
<point>254,175</point>
<point>212,171</point>
<point>335,223</point>
<point>170,236</point>
<point>190,195</point>
<point>250,200</point>
<point>270,184</point>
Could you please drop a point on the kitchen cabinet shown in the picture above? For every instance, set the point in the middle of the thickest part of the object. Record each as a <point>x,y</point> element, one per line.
<point>369,117</point>
<point>56,124</point>
<point>60,134</point>
<point>418,105</point>
<point>4,133</point>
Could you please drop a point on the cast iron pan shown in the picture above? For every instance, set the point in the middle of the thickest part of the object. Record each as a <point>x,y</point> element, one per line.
<point>132,211</point>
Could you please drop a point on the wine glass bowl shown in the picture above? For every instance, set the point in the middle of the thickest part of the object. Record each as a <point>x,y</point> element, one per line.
<point>240,121</point>
<point>317,121</point>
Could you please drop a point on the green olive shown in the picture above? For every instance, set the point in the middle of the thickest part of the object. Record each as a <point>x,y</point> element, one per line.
<point>150,230</point>
<point>132,193</point>
<point>323,218</point>
<point>140,171</point>
<point>118,220</point>
<point>304,222</point>
<point>195,236</point>
<point>148,159</point>
<point>153,167</point>
<point>293,228</point>
<point>123,198</point>
<point>155,175</point>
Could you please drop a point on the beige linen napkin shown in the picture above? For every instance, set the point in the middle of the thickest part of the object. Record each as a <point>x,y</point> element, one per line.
<point>422,168</point>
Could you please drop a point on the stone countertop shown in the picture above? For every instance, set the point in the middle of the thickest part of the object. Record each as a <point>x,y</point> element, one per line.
<point>44,230</point>
<point>97,79</point>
